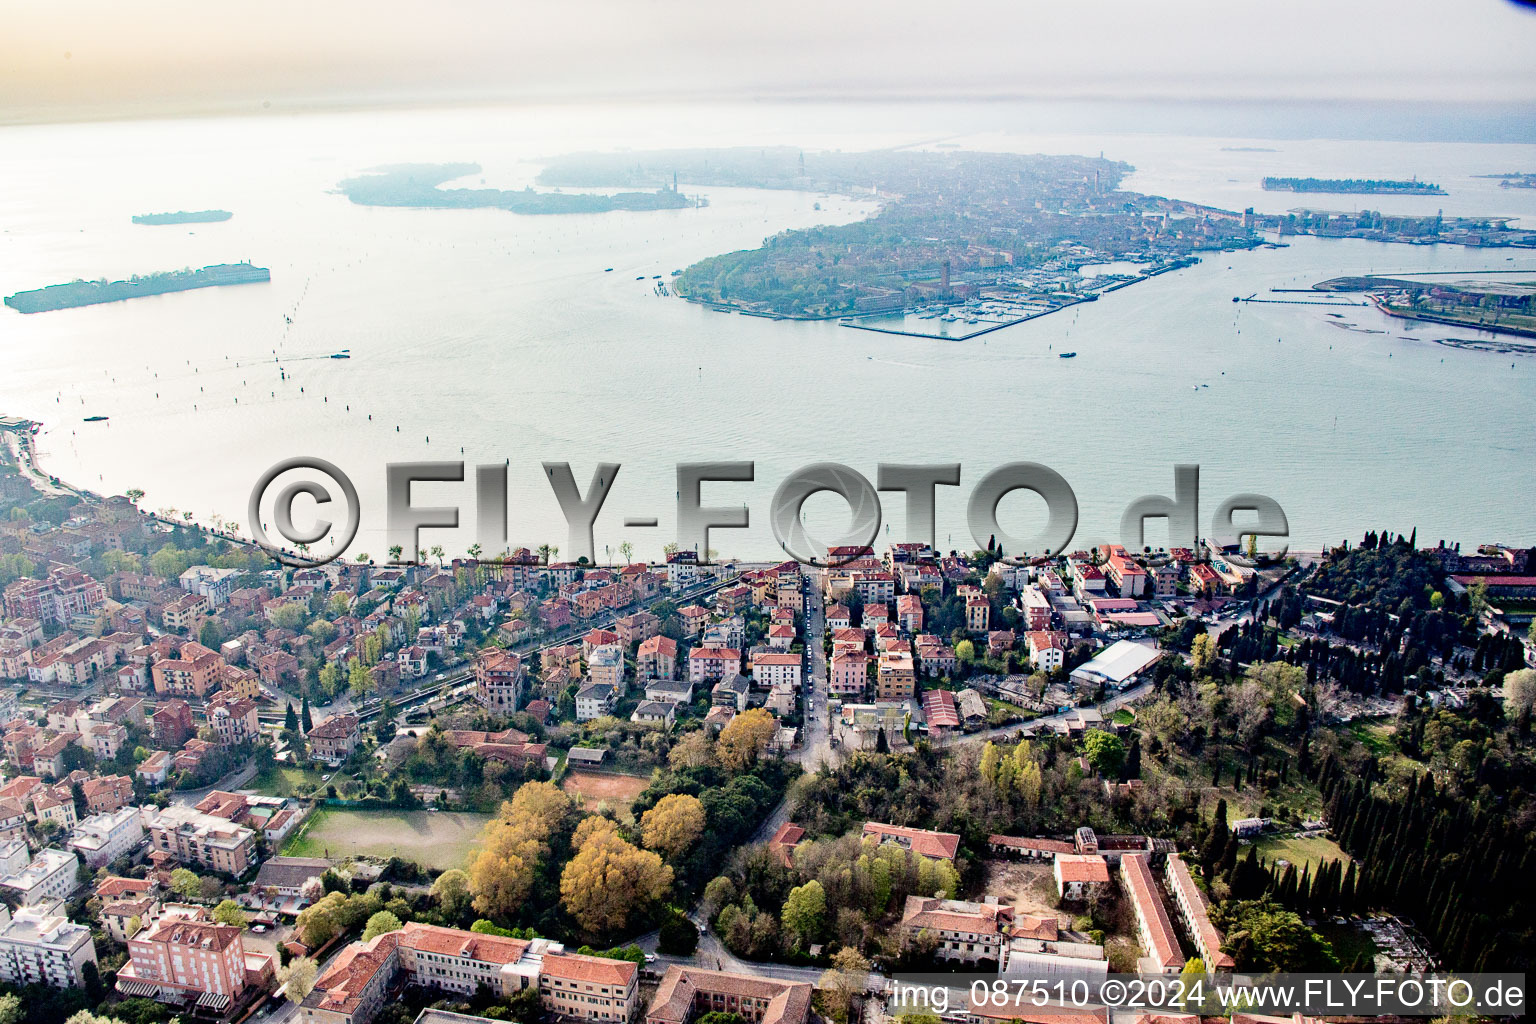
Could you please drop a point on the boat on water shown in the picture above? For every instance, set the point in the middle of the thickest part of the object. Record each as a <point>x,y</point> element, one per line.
<point>341,355</point>
<point>1067,355</point>
<point>95,419</point>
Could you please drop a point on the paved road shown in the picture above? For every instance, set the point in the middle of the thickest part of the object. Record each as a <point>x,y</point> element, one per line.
<point>816,748</point>
<point>712,955</point>
<point>229,783</point>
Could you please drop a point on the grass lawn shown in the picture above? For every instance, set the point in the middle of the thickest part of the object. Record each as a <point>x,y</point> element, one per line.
<point>1122,716</point>
<point>1375,734</point>
<point>279,780</point>
<point>1302,851</point>
<point>439,839</point>
<point>1348,941</point>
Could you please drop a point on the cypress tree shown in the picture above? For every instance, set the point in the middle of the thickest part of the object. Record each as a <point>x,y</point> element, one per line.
<point>304,718</point>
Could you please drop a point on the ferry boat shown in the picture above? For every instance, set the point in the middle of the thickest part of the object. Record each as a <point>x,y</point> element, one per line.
<point>1067,355</point>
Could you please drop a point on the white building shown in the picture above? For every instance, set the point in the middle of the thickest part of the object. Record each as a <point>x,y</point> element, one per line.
<point>605,665</point>
<point>214,584</point>
<point>41,945</point>
<point>102,838</point>
<point>50,876</point>
<point>14,855</point>
<point>1117,665</point>
<point>777,667</point>
<point>593,701</point>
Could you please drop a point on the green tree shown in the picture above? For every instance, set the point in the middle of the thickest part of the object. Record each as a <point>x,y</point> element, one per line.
<point>229,912</point>
<point>1264,936</point>
<point>1106,752</point>
<point>805,910</point>
<point>380,923</point>
<point>185,883</point>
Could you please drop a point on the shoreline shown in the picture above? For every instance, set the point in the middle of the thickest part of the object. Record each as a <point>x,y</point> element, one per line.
<point>1519,332</point>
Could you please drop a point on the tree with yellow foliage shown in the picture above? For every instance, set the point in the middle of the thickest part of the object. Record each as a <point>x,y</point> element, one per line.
<point>673,825</point>
<point>513,844</point>
<point>746,734</point>
<point>502,872</point>
<point>608,881</point>
<point>693,750</point>
<point>591,825</point>
<point>542,806</point>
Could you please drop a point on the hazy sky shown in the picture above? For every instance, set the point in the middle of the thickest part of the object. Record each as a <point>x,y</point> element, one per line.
<point>90,58</point>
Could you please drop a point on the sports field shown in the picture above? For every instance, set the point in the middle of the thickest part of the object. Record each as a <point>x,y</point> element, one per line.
<point>439,839</point>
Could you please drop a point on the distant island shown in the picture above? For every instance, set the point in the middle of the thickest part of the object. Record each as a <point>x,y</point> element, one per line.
<point>1513,179</point>
<point>183,217</point>
<point>90,293</point>
<point>416,185</point>
<point>1353,186</point>
<point>1502,307</point>
<point>960,238</point>
<point>1248,149</point>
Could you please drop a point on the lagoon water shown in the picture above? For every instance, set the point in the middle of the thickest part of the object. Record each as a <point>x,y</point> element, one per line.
<point>504,336</point>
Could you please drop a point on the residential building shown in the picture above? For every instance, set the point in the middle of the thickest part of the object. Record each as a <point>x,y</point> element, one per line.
<point>214,584</point>
<point>1047,649</point>
<point>171,724</point>
<point>234,721</point>
<point>184,960</point>
<point>594,701</point>
<point>848,673</point>
<point>50,876</point>
<point>606,665</point>
<point>1153,929</point>
<point>895,676</point>
<point>1197,919</point>
<point>154,769</point>
<point>39,945</point>
<point>102,838</point>
<point>1080,876</point>
<point>572,985</point>
<point>123,919</point>
<point>335,738</point>
<point>499,681</point>
<point>968,932</point>
<point>655,712</point>
<point>778,667</point>
<point>191,673</point>
<point>656,658</point>
<point>978,611</point>
<point>197,839</point>
<point>709,664</point>
<point>689,992</point>
<point>1036,608</point>
<point>909,613</point>
<point>937,845</point>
